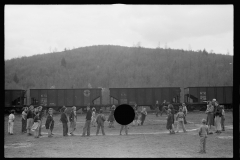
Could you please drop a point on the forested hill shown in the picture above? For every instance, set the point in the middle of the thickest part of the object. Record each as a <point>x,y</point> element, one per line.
<point>116,66</point>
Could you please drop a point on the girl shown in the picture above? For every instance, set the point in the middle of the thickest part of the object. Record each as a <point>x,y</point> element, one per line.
<point>50,122</point>
<point>73,120</point>
<point>64,121</point>
<point>218,115</point>
<point>24,120</point>
<point>180,119</point>
<point>111,117</point>
<point>93,118</point>
<point>169,121</point>
<point>11,122</point>
<point>170,106</point>
<point>36,125</point>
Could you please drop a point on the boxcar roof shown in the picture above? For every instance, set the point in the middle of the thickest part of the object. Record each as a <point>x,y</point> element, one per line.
<point>208,87</point>
<point>14,90</point>
<point>66,89</point>
<point>144,87</point>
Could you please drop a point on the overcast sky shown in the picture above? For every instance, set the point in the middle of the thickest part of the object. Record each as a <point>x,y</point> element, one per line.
<point>37,29</point>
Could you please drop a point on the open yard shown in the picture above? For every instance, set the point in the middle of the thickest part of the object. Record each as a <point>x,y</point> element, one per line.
<point>150,140</point>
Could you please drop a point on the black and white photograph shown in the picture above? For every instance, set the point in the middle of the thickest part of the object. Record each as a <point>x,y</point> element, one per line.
<point>118,81</point>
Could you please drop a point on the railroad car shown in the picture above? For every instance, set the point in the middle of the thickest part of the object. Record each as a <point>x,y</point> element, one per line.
<point>14,99</point>
<point>196,97</point>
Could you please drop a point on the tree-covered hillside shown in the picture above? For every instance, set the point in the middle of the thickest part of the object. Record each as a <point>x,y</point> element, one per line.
<point>116,66</point>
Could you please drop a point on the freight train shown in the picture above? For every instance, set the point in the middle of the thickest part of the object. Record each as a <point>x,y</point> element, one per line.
<point>194,97</point>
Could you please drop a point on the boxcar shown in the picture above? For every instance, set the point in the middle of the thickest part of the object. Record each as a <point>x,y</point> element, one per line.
<point>56,98</point>
<point>196,97</point>
<point>144,96</point>
<point>14,99</point>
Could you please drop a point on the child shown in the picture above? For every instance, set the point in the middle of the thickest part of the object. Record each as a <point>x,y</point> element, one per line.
<point>30,117</point>
<point>144,114</point>
<point>136,116</point>
<point>111,117</point>
<point>50,122</point>
<point>100,122</point>
<point>41,113</point>
<point>11,122</point>
<point>73,120</point>
<point>93,118</point>
<point>64,121</point>
<point>180,119</point>
<point>169,122</point>
<point>170,106</point>
<point>88,122</point>
<point>184,109</point>
<point>126,129</point>
<point>36,125</point>
<point>203,132</point>
<point>223,118</point>
<point>24,120</point>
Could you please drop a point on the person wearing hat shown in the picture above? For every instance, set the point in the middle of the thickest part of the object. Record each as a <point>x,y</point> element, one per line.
<point>30,117</point>
<point>111,117</point>
<point>203,132</point>
<point>64,121</point>
<point>93,118</point>
<point>73,120</point>
<point>88,122</point>
<point>100,122</point>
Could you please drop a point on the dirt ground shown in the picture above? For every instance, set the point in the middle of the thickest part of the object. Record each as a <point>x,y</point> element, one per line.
<point>150,140</point>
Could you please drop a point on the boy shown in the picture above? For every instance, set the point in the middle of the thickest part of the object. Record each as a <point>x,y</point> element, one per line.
<point>49,122</point>
<point>36,125</point>
<point>30,117</point>
<point>223,118</point>
<point>180,119</point>
<point>11,122</point>
<point>88,122</point>
<point>126,129</point>
<point>100,122</point>
<point>73,120</point>
<point>64,121</point>
<point>203,132</point>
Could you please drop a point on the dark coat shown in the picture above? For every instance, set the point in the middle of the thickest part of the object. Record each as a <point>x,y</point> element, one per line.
<point>64,118</point>
<point>49,122</point>
<point>169,121</point>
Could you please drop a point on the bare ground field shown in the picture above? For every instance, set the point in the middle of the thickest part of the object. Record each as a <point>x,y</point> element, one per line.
<point>150,140</point>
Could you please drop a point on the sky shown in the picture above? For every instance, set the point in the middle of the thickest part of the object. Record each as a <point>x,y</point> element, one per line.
<point>38,29</point>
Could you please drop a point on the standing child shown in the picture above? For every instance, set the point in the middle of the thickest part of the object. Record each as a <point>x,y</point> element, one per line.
<point>169,121</point>
<point>24,120</point>
<point>64,121</point>
<point>41,113</point>
<point>203,132</point>
<point>93,118</point>
<point>180,119</point>
<point>11,119</point>
<point>223,118</point>
<point>170,106</point>
<point>30,117</point>
<point>73,120</point>
<point>111,117</point>
<point>88,122</point>
<point>185,111</point>
<point>50,122</point>
<point>100,122</point>
<point>144,114</point>
<point>36,125</point>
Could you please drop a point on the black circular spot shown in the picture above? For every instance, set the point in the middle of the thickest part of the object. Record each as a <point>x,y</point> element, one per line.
<point>124,114</point>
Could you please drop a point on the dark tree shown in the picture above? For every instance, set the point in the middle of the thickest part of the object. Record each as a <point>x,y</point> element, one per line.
<point>15,78</point>
<point>63,62</point>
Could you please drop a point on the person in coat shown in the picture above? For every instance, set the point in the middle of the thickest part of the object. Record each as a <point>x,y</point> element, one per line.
<point>100,119</point>
<point>64,121</point>
<point>87,125</point>
<point>73,120</point>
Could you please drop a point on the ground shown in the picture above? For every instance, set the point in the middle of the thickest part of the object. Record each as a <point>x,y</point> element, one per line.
<point>150,140</point>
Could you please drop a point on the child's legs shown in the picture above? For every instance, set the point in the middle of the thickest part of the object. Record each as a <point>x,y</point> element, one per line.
<point>177,126</point>
<point>85,128</point>
<point>49,132</point>
<point>40,126</point>
<point>121,129</point>
<point>201,143</point>
<point>11,127</point>
<point>222,123</point>
<point>102,127</point>
<point>88,127</point>
<point>98,127</point>
<point>126,130</point>
<point>183,126</point>
<point>204,144</point>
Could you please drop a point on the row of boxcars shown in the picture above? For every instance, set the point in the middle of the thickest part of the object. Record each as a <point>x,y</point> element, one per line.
<point>194,97</point>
